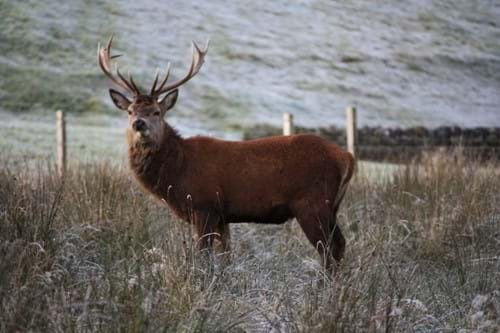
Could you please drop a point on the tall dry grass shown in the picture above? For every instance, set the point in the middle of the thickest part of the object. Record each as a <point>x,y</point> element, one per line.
<point>91,252</point>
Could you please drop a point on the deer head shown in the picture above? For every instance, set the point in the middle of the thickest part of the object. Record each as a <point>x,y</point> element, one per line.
<point>146,110</point>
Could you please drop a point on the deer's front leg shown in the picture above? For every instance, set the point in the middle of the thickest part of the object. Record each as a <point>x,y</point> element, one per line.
<point>222,242</point>
<point>204,230</point>
<point>211,234</point>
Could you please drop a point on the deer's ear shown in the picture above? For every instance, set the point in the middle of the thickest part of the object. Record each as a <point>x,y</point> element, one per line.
<point>120,100</point>
<point>168,102</point>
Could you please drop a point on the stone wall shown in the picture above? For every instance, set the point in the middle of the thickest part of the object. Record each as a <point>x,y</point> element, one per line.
<point>396,144</point>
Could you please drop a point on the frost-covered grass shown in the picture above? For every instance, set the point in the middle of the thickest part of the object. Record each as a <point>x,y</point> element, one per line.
<point>390,59</point>
<point>91,252</point>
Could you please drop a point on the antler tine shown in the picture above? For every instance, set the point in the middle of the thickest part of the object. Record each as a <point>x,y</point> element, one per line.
<point>131,80</point>
<point>128,85</point>
<point>155,81</point>
<point>165,79</point>
<point>196,63</point>
<point>104,58</point>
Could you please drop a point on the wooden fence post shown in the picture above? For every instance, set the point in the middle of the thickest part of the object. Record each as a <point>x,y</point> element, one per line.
<point>351,130</point>
<point>288,130</point>
<point>287,123</point>
<point>61,142</point>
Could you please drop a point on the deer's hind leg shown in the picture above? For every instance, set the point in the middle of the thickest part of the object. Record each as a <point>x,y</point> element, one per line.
<point>320,227</point>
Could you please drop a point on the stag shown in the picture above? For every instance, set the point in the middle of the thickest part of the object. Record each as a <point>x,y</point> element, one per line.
<point>211,183</point>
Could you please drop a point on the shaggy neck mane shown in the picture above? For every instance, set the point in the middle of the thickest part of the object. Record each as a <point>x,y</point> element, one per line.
<point>150,160</point>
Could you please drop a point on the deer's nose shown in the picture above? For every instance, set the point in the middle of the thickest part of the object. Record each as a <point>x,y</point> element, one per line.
<point>139,125</point>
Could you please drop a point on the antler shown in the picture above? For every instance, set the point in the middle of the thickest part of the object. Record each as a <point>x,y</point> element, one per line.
<point>196,63</point>
<point>104,57</point>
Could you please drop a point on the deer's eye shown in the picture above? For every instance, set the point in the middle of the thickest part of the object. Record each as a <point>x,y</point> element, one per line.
<point>129,113</point>
<point>157,113</point>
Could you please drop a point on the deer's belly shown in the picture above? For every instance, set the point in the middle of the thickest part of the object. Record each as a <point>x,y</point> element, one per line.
<point>276,214</point>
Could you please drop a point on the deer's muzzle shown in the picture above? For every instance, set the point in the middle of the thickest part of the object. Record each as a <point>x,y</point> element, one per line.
<point>139,125</point>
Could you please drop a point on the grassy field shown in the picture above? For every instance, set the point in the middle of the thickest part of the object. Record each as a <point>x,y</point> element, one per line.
<point>91,252</point>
